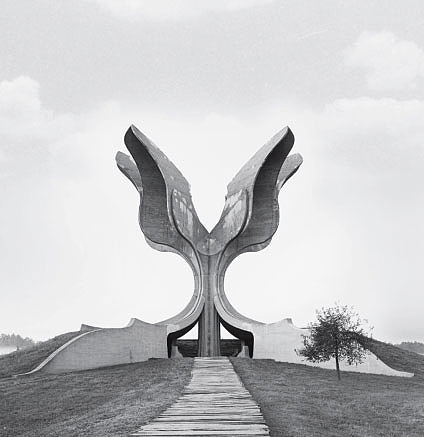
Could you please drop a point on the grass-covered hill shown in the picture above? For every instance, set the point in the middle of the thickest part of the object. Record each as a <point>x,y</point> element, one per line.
<point>25,360</point>
<point>413,346</point>
<point>112,401</point>
<point>395,357</point>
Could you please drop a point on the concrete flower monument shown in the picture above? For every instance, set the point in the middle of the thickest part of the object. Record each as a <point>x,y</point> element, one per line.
<point>169,222</point>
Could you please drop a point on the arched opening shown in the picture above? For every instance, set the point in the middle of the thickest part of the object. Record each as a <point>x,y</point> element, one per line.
<point>185,342</point>
<point>174,344</point>
<point>245,337</point>
<point>230,346</point>
<point>188,344</point>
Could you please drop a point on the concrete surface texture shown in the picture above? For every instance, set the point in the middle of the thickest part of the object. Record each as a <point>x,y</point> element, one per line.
<point>169,222</point>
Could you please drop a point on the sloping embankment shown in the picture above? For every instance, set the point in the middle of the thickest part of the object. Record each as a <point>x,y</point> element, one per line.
<point>27,359</point>
<point>395,357</point>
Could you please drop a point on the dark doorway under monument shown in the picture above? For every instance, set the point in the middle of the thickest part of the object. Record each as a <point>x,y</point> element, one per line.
<point>192,347</point>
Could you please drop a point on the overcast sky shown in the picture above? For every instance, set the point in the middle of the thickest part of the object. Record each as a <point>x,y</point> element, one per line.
<point>210,82</point>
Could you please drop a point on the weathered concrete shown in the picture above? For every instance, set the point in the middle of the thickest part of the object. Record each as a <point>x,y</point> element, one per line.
<point>101,347</point>
<point>169,222</point>
<point>138,341</point>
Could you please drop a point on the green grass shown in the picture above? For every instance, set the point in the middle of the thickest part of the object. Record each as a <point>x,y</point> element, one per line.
<point>105,402</point>
<point>27,359</point>
<point>298,400</point>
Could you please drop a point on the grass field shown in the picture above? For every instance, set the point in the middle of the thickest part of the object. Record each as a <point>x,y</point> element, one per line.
<point>296,400</point>
<point>299,400</point>
<point>27,359</point>
<point>108,402</point>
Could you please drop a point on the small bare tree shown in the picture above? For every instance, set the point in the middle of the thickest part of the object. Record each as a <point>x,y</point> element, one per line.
<point>335,334</point>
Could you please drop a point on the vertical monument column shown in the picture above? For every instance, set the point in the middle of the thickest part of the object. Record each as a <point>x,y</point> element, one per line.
<point>209,326</point>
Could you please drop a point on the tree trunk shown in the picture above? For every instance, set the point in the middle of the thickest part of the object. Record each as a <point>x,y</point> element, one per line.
<point>337,365</point>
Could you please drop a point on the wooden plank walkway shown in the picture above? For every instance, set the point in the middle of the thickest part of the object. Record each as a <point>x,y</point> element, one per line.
<point>214,403</point>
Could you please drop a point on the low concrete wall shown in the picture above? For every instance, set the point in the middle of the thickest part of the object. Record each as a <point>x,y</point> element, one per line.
<point>282,341</point>
<point>108,347</point>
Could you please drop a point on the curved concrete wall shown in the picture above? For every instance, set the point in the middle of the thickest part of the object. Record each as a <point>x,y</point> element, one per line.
<point>108,347</point>
<point>281,341</point>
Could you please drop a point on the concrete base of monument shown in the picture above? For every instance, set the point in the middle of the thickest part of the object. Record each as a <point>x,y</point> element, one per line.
<point>97,347</point>
<point>140,341</point>
<point>282,341</point>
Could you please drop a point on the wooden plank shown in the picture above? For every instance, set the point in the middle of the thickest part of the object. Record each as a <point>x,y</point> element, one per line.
<point>214,403</point>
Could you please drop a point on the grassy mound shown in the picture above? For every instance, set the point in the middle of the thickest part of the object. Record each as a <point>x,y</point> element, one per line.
<point>111,401</point>
<point>395,357</point>
<point>27,359</point>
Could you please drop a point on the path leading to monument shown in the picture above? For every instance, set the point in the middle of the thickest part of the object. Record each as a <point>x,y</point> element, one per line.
<point>214,403</point>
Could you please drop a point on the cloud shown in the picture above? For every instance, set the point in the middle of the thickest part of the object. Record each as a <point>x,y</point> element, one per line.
<point>163,10</point>
<point>22,114</point>
<point>20,97</point>
<point>376,134</point>
<point>372,135</point>
<point>389,62</point>
<point>29,133</point>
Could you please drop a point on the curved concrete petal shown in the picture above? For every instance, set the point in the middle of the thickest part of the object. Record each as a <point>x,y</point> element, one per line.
<point>130,170</point>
